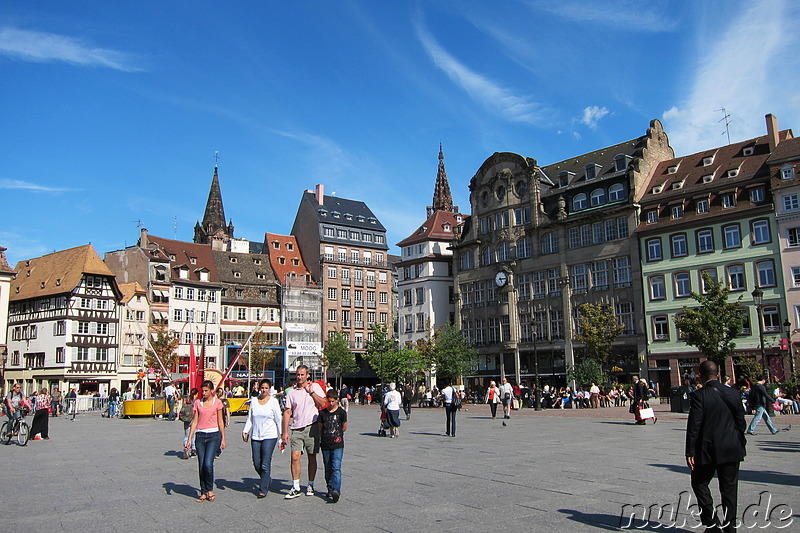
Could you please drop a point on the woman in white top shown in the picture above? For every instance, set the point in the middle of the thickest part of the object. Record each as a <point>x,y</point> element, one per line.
<point>263,429</point>
<point>493,397</point>
<point>392,402</point>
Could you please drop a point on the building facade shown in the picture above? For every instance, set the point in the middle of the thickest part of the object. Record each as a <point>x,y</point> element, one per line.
<point>133,330</point>
<point>63,323</point>
<point>541,241</point>
<point>711,213</point>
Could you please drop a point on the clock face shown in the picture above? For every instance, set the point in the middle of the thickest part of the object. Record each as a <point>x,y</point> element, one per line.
<point>501,279</point>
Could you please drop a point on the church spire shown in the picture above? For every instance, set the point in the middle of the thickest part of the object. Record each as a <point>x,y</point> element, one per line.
<point>213,225</point>
<point>442,199</point>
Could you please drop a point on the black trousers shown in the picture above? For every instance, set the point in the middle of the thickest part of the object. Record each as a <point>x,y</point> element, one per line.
<point>450,413</point>
<point>40,423</point>
<point>728,478</point>
<point>493,407</point>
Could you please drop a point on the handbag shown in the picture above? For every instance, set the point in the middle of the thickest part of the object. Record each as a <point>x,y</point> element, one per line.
<point>647,412</point>
<point>456,402</point>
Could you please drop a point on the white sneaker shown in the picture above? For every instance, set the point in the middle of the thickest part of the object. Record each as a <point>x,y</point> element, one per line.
<point>292,494</point>
<point>310,490</point>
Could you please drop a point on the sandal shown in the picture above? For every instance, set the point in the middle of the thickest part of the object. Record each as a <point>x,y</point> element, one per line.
<point>211,497</point>
<point>202,498</point>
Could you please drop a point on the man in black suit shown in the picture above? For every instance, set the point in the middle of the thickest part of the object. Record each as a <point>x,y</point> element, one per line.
<point>715,442</point>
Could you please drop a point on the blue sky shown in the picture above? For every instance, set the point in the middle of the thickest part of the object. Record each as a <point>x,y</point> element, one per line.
<point>113,110</point>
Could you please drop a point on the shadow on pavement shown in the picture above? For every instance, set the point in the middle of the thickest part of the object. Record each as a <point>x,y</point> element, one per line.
<point>779,446</point>
<point>245,485</point>
<point>611,522</point>
<point>619,423</point>
<point>426,433</point>
<point>174,453</point>
<point>183,489</point>
<point>755,476</point>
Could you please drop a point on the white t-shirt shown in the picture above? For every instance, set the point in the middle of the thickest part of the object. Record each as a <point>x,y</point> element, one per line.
<point>169,391</point>
<point>447,392</point>
<point>595,389</point>
<point>264,421</point>
<point>393,400</point>
<point>507,389</point>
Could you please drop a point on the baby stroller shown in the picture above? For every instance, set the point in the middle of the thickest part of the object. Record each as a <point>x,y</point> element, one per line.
<point>384,424</point>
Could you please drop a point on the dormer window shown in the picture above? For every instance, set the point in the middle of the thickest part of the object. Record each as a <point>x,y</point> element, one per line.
<point>256,261</point>
<point>296,262</point>
<point>748,150</point>
<point>677,211</point>
<point>446,227</point>
<point>360,218</point>
<point>732,173</point>
<point>237,274</point>
<point>276,245</point>
<point>348,216</point>
<point>323,212</point>
<point>591,171</point>
<point>458,219</point>
<point>171,256</point>
<point>677,185</point>
<point>708,178</point>
<point>183,273</point>
<point>563,178</point>
<point>728,200</point>
<point>335,214</point>
<point>787,172</point>
<point>621,162</point>
<point>672,170</point>
<point>708,160</point>
<point>290,246</point>
<point>193,260</point>
<point>234,260</point>
<point>657,189</point>
<point>203,275</point>
<point>652,216</point>
<point>373,220</point>
<point>702,206</point>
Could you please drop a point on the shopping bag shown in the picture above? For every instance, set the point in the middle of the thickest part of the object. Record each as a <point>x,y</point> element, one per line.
<point>515,404</point>
<point>646,413</point>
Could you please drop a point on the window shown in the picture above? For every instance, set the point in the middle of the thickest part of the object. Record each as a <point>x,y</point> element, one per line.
<point>467,260</point>
<point>177,315</point>
<point>383,297</point>
<point>591,171</point>
<point>657,288</point>
<point>660,328</point>
<point>101,354</point>
<point>503,251</point>
<point>791,202</point>
<point>652,216</point>
<point>683,286</point>
<point>620,162</point>
<point>793,236</point>
<point>549,244</point>
<point>760,232</point>
<point>420,321</point>
<point>524,248</point>
<point>600,275</point>
<point>624,312</point>
<point>580,278</point>
<point>616,192</point>
<point>702,206</point>
<point>705,241</point>
<point>654,250</point>
<point>757,195</point>
<point>787,172</point>
<point>241,313</point>
<point>332,272</point>
<point>487,255</point>
<point>677,211</point>
<point>60,355</point>
<point>579,202</point>
<point>622,272</point>
<point>329,232</point>
<point>420,295</point>
<point>501,220</point>
<point>190,294</point>
<point>60,328</point>
<point>733,238</point>
<point>736,280</point>
<point>745,321</point>
<point>598,197</point>
<point>522,216</point>
<point>485,226</point>
<point>796,276</point>
<point>331,293</point>
<point>728,200</point>
<point>712,275</point>
<point>83,354</point>
<point>679,248</point>
<point>766,273</point>
<point>772,319</point>
<point>102,328</point>
<point>83,328</point>
<point>331,315</point>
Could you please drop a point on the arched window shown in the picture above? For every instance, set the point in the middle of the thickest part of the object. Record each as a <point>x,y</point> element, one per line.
<point>487,256</point>
<point>524,248</point>
<point>616,192</point>
<point>598,197</point>
<point>579,202</point>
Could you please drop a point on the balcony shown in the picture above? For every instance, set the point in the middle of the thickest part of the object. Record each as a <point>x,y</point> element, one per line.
<point>371,305</point>
<point>371,283</point>
<point>359,303</point>
<point>359,324</point>
<point>346,302</point>
<point>359,282</point>
<point>345,323</point>
<point>346,281</point>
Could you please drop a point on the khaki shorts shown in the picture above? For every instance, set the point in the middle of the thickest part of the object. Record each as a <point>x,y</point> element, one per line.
<point>305,439</point>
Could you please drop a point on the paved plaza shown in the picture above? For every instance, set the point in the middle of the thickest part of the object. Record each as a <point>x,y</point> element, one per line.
<point>545,471</point>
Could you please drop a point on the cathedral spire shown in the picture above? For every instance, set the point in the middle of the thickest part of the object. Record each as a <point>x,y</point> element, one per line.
<point>213,225</point>
<point>442,199</point>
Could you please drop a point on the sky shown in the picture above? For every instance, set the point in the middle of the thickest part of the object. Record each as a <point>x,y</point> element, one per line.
<point>113,111</point>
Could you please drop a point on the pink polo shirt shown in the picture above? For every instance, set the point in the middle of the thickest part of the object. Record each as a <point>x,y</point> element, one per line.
<point>304,410</point>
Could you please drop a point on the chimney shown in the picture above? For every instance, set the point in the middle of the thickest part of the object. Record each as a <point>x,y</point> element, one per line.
<point>772,131</point>
<point>143,241</point>
<point>320,194</point>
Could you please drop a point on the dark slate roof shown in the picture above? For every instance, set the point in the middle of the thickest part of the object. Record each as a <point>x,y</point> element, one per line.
<point>785,151</point>
<point>245,265</point>
<point>357,210</point>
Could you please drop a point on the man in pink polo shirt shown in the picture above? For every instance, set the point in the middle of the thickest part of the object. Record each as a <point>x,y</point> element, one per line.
<point>300,430</point>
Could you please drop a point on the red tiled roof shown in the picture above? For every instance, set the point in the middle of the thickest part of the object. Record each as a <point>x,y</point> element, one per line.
<point>281,270</point>
<point>184,252</point>
<point>434,228</point>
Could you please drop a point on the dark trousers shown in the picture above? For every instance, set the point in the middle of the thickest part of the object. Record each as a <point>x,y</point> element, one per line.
<point>40,424</point>
<point>407,407</point>
<point>728,477</point>
<point>450,413</point>
<point>493,407</point>
<point>262,461</point>
<point>207,447</point>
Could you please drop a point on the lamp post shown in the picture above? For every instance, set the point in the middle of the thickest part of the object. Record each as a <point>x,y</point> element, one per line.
<point>537,405</point>
<point>788,327</point>
<point>758,298</point>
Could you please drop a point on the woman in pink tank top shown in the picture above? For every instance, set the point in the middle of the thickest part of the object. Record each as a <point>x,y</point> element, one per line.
<point>208,428</point>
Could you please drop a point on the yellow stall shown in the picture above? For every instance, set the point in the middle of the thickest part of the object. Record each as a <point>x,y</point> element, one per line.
<point>239,406</point>
<point>152,407</point>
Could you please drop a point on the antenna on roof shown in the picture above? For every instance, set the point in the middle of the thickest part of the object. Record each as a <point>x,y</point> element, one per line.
<point>139,222</point>
<point>216,158</point>
<point>175,226</point>
<point>726,117</point>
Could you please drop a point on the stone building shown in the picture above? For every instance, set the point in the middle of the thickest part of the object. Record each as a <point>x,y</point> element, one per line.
<point>541,241</point>
<point>133,329</point>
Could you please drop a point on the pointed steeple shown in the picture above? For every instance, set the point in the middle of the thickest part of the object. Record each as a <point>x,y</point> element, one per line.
<point>442,199</point>
<point>213,225</point>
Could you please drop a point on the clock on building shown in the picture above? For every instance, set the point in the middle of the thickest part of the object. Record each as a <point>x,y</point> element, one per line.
<point>501,279</point>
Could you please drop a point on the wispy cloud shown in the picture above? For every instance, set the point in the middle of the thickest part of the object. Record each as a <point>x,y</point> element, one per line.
<point>28,186</point>
<point>629,15</point>
<point>749,81</point>
<point>592,115</point>
<point>503,101</point>
<point>40,47</point>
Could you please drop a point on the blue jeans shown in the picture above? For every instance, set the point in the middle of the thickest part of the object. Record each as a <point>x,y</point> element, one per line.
<point>262,461</point>
<point>171,408</point>
<point>112,409</point>
<point>761,411</point>
<point>207,447</point>
<point>332,459</point>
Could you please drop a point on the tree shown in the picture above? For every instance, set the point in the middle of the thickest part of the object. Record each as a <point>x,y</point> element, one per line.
<point>453,355</point>
<point>381,352</point>
<point>336,355</point>
<point>586,372</point>
<point>750,368</point>
<point>713,325</point>
<point>600,327</point>
<point>162,344</point>
<point>261,353</point>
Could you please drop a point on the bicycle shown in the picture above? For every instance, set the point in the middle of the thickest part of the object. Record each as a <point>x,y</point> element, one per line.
<point>17,427</point>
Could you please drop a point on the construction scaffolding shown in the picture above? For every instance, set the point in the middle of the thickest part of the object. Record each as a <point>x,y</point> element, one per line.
<point>301,307</point>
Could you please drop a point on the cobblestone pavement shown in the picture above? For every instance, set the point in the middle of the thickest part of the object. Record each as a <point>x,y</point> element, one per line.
<point>544,471</point>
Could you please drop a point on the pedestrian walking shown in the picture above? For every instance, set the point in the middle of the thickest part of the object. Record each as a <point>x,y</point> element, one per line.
<point>759,400</point>
<point>300,430</point>
<point>41,416</point>
<point>715,443</point>
<point>55,401</point>
<point>344,397</point>
<point>332,425</point>
<point>493,397</point>
<point>263,429</point>
<point>113,402</point>
<point>170,392</point>
<point>507,395</point>
<point>391,404</point>
<point>186,416</point>
<point>209,429</point>
<point>450,409</point>
<point>639,400</point>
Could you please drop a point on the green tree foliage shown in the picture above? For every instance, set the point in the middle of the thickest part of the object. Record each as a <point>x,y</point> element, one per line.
<point>261,353</point>
<point>453,355</point>
<point>162,344</point>
<point>586,372</point>
<point>336,355</point>
<point>750,368</point>
<point>712,326</point>
<point>382,353</point>
<point>600,327</point>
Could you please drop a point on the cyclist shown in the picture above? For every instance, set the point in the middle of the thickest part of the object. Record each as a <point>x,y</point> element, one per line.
<point>13,402</point>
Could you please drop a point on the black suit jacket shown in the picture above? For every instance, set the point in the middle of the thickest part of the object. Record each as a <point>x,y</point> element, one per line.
<point>715,431</point>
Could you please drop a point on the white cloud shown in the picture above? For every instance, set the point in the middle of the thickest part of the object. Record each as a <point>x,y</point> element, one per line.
<point>746,78</point>
<point>510,106</point>
<point>43,47</point>
<point>592,115</point>
<point>628,15</point>
<point>28,186</point>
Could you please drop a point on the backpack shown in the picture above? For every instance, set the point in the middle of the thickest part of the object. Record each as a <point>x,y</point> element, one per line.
<point>186,413</point>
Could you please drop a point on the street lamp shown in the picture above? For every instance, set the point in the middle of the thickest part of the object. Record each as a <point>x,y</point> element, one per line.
<point>788,327</point>
<point>758,298</point>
